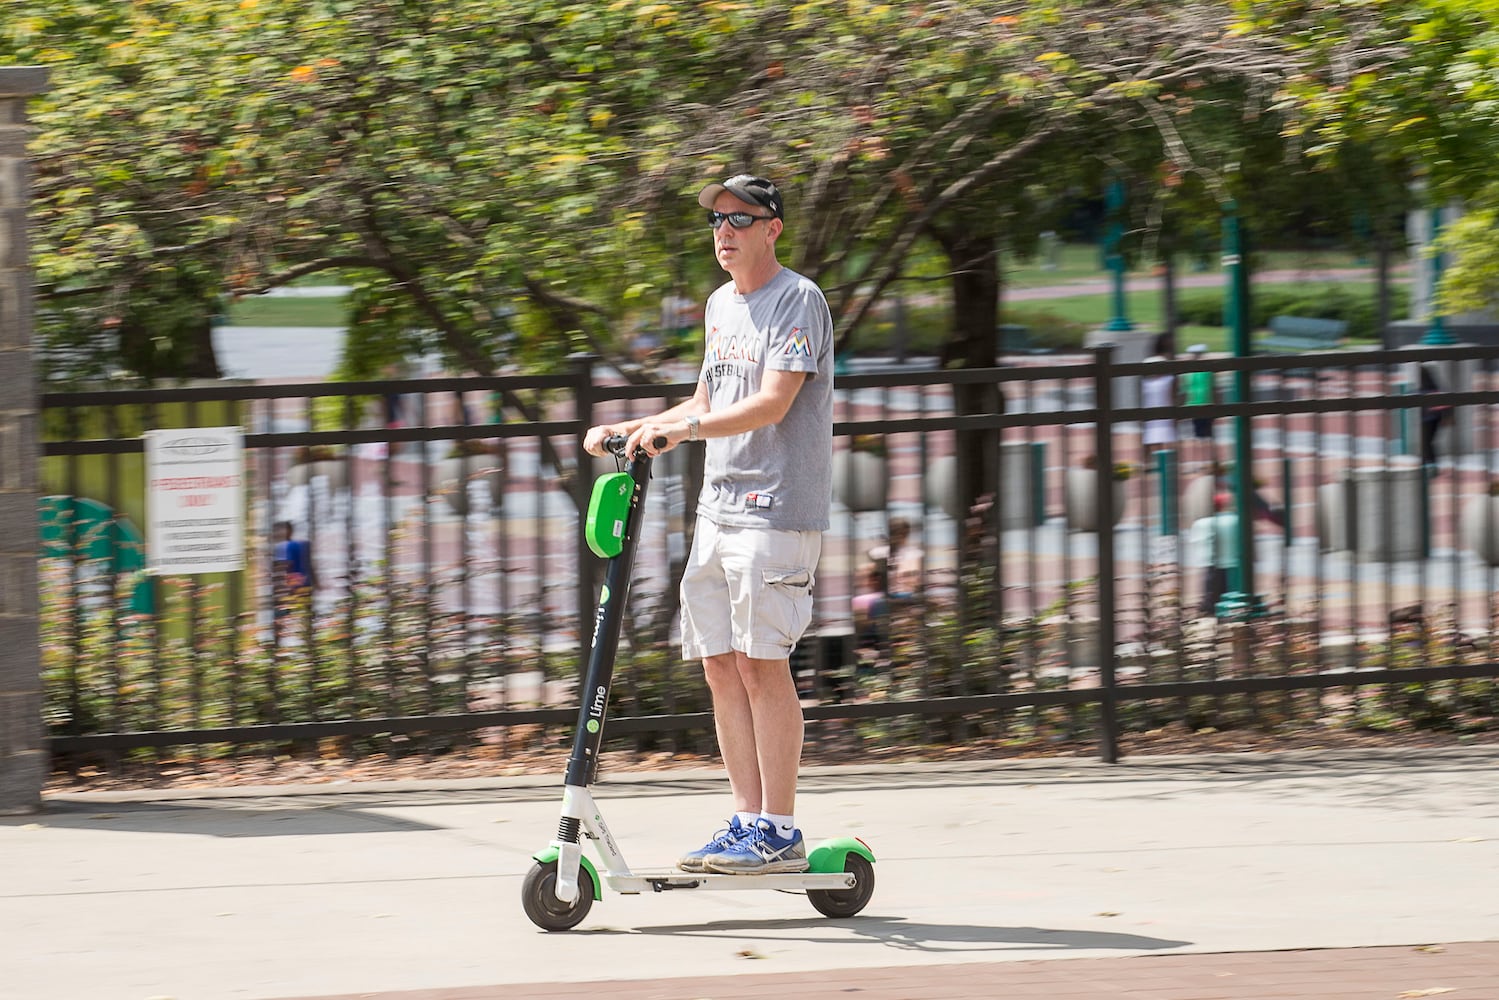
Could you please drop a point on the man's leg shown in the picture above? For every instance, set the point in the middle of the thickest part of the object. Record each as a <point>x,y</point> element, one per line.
<point>775,845</point>
<point>756,709</point>
<point>778,729</point>
<point>733,719</point>
<point>1431,422</point>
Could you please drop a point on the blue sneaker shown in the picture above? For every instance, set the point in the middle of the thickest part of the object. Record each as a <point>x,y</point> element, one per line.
<point>692,861</point>
<point>760,851</point>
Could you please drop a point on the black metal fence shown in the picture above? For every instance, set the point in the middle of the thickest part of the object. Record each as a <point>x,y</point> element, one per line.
<point>453,592</point>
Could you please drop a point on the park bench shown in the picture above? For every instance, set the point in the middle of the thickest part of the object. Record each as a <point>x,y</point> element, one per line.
<point>1302,333</point>
<point>1016,339</point>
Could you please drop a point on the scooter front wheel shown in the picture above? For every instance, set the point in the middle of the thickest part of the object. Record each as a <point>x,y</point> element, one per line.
<point>538,894</point>
<point>846,902</point>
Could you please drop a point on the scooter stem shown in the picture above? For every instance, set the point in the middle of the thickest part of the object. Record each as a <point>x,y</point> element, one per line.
<point>582,765</point>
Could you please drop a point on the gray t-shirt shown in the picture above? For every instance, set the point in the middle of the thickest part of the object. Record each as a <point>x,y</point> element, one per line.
<point>779,476</point>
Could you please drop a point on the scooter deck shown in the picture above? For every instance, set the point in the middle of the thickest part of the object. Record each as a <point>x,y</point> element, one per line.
<point>662,880</point>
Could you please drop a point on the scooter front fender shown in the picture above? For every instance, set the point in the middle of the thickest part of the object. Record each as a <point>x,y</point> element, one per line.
<point>829,856</point>
<point>552,853</point>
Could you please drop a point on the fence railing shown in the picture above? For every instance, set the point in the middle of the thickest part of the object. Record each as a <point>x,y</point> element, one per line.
<point>1075,597</point>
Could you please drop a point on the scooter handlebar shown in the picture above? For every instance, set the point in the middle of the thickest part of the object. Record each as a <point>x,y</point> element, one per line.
<point>616,443</point>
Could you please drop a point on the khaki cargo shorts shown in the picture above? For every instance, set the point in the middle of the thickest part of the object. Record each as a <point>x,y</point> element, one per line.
<point>747,590</point>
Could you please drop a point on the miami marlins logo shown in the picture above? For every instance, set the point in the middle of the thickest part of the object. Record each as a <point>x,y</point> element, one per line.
<point>797,345</point>
<point>733,347</point>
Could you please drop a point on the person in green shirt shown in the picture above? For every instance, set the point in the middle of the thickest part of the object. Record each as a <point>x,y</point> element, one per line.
<point>1213,544</point>
<point>1201,389</point>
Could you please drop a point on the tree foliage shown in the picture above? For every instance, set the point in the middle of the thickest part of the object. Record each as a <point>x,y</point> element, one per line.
<point>1407,92</point>
<point>513,188</point>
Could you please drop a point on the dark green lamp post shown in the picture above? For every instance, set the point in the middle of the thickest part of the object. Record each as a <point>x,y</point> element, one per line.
<point>1241,600</point>
<point>1437,334</point>
<point>1114,253</point>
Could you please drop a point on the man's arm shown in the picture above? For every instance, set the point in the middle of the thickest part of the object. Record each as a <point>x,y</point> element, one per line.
<point>767,406</point>
<point>593,441</point>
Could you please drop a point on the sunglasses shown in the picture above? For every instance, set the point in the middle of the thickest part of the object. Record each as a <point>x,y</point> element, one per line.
<point>739,220</point>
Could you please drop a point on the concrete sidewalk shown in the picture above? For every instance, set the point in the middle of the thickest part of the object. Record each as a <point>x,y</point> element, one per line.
<point>1049,879</point>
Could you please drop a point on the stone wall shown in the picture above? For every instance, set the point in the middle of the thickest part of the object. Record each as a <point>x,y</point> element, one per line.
<point>23,756</point>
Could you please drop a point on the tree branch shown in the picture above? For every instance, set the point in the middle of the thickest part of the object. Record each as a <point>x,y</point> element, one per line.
<point>291,274</point>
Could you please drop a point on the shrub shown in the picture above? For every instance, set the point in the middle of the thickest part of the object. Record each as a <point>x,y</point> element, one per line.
<point>1353,306</point>
<point>1049,331</point>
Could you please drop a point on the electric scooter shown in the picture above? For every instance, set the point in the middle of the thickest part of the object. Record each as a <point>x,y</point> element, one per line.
<point>564,883</point>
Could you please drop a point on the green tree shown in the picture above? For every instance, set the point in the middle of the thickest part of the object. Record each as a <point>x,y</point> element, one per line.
<point>513,189</point>
<point>962,113</point>
<point>1411,88</point>
<point>448,162</point>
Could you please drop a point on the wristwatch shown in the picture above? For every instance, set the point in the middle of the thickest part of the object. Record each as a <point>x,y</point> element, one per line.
<point>692,423</point>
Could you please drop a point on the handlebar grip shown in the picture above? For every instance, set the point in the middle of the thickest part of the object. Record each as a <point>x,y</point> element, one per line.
<point>616,443</point>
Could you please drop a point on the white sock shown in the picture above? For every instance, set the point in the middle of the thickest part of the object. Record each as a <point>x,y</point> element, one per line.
<point>747,820</point>
<point>785,825</point>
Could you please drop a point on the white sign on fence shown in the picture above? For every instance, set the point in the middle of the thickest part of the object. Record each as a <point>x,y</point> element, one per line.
<point>195,500</point>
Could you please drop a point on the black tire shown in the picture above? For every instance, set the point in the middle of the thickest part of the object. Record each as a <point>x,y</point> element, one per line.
<point>846,902</point>
<point>538,894</point>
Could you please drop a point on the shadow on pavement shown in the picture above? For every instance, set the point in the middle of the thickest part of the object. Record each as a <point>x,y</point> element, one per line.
<point>904,935</point>
<point>222,818</point>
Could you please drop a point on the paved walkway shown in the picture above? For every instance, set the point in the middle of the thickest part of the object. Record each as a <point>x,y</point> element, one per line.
<point>1457,971</point>
<point>1266,876</point>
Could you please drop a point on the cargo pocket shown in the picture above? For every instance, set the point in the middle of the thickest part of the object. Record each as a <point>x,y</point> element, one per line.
<point>786,607</point>
<point>797,580</point>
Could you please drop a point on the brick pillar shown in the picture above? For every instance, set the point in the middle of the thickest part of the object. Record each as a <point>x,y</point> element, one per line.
<point>23,755</point>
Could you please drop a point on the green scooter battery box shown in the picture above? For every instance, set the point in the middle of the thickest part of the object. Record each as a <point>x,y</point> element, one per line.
<point>608,510</point>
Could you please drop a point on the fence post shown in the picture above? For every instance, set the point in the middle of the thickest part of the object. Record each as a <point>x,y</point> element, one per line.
<point>23,757</point>
<point>1402,420</point>
<point>1165,467</point>
<point>1287,496</point>
<point>1103,447</point>
<point>582,365</point>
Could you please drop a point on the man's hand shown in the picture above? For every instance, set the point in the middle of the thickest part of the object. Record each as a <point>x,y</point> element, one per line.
<point>593,441</point>
<point>668,434</point>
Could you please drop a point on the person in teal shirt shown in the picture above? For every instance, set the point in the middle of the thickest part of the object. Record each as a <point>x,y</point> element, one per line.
<point>1201,389</point>
<point>1213,542</point>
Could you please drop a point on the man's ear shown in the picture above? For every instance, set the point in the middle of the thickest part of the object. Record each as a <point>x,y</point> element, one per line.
<point>774,227</point>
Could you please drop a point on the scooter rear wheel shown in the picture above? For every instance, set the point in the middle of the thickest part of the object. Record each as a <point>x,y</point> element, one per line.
<point>538,895</point>
<point>846,902</point>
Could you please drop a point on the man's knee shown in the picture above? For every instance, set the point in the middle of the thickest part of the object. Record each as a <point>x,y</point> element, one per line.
<point>760,675</point>
<point>721,671</point>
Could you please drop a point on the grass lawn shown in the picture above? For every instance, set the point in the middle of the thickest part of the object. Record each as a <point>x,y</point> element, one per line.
<point>263,310</point>
<point>1144,309</point>
<point>1081,262</point>
<point>1076,262</point>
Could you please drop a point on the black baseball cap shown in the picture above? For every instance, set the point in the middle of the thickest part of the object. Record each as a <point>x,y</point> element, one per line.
<point>747,188</point>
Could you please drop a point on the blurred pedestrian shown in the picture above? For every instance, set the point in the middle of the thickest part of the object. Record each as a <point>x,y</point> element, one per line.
<point>293,577</point>
<point>1432,417</point>
<point>1200,388</point>
<point>1213,544</point>
<point>1160,392</point>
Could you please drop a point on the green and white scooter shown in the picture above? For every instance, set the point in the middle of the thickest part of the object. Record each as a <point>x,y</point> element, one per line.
<point>563,883</point>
